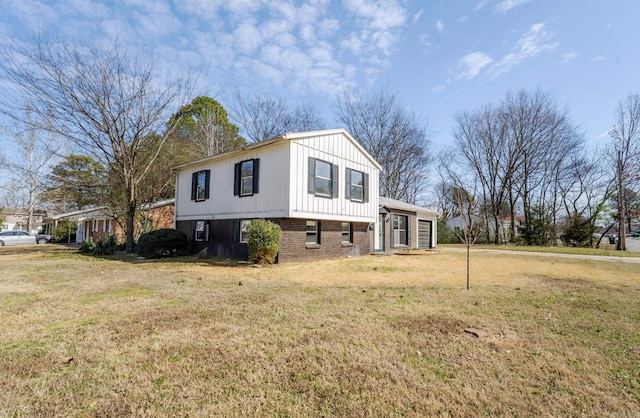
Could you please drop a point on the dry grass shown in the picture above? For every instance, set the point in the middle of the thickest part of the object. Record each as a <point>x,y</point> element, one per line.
<point>369,336</point>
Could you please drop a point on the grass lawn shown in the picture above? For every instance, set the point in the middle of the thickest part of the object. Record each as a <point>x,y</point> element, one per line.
<point>369,336</point>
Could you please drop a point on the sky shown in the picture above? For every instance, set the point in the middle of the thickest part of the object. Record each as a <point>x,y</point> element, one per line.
<point>439,57</point>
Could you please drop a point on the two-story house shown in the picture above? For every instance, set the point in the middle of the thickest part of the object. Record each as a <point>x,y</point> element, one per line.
<point>321,187</point>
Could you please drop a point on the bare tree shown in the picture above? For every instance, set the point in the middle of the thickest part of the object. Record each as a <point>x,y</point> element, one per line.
<point>109,103</point>
<point>483,144</point>
<point>266,117</point>
<point>545,139</point>
<point>393,135</point>
<point>25,173</point>
<point>470,226</point>
<point>626,152</point>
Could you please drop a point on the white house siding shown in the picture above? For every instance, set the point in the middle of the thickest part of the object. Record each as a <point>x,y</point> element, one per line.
<point>270,201</point>
<point>338,149</point>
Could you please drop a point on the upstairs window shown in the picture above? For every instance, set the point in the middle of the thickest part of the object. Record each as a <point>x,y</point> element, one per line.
<point>246,177</point>
<point>357,186</point>
<point>323,178</point>
<point>200,182</point>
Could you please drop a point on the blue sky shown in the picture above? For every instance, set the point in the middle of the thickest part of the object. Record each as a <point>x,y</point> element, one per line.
<point>441,57</point>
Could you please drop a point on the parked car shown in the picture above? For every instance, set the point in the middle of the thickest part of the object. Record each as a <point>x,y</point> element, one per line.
<point>22,238</point>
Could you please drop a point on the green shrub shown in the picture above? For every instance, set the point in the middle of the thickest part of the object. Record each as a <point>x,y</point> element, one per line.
<point>161,243</point>
<point>105,246</point>
<point>263,241</point>
<point>86,247</point>
<point>63,230</point>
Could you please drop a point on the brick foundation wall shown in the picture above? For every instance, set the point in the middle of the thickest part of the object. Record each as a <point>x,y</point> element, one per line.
<point>293,246</point>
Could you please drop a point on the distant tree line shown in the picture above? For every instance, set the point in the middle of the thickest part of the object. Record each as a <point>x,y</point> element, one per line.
<point>529,164</point>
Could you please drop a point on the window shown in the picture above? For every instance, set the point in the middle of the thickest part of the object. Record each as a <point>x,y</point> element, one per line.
<point>200,182</point>
<point>94,226</point>
<point>323,178</point>
<point>357,186</point>
<point>107,225</point>
<point>400,232</point>
<point>244,225</point>
<point>246,178</point>
<point>202,231</point>
<point>313,232</point>
<point>347,233</point>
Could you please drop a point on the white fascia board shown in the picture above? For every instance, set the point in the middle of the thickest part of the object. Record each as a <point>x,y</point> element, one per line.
<point>329,217</point>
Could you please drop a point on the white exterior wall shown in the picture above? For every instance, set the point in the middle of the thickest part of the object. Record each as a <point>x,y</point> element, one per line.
<point>337,149</point>
<point>270,201</point>
<point>283,182</point>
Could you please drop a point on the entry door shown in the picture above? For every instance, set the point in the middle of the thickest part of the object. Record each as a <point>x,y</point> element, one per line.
<point>379,233</point>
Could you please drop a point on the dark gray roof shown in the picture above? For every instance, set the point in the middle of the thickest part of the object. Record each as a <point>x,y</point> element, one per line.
<point>396,204</point>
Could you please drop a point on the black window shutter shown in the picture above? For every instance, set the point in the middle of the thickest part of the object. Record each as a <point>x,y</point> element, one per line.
<point>312,176</point>
<point>236,231</point>
<point>236,179</point>
<point>335,177</point>
<point>408,232</point>
<point>365,188</point>
<point>194,185</point>
<point>256,175</point>
<point>207,183</point>
<point>347,185</point>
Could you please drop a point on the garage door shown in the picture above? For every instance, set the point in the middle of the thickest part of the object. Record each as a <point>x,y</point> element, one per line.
<point>424,234</point>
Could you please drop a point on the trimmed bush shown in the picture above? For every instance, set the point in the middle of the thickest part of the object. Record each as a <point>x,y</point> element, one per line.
<point>86,247</point>
<point>263,241</point>
<point>106,246</point>
<point>161,243</point>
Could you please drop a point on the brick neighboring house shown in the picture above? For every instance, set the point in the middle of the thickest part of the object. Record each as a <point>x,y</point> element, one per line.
<point>320,186</point>
<point>98,223</point>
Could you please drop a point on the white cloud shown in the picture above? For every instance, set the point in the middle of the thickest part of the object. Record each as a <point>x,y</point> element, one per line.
<point>597,58</point>
<point>462,19</point>
<point>378,25</point>
<point>470,65</point>
<point>247,37</point>
<point>569,56</point>
<point>439,26</point>
<point>532,43</point>
<point>506,5</point>
<point>480,5</point>
<point>417,16</point>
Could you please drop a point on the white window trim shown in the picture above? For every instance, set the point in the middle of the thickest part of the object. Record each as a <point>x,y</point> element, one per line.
<point>246,222</point>
<point>242,191</point>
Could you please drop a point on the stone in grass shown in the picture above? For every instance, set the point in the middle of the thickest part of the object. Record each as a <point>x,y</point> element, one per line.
<point>477,332</point>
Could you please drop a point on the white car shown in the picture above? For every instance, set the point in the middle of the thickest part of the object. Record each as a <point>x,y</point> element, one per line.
<point>16,238</point>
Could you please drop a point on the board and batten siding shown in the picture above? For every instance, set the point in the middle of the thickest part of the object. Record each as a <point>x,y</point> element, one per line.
<point>337,149</point>
<point>272,200</point>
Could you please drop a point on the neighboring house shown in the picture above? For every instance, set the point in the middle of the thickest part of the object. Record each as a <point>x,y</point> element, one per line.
<point>320,187</point>
<point>98,223</point>
<point>15,219</point>
<point>402,225</point>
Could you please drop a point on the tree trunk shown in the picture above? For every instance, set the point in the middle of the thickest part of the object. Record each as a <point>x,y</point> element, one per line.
<point>468,262</point>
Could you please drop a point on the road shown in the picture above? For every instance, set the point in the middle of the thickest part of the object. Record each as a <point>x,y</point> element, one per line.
<point>632,260</point>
